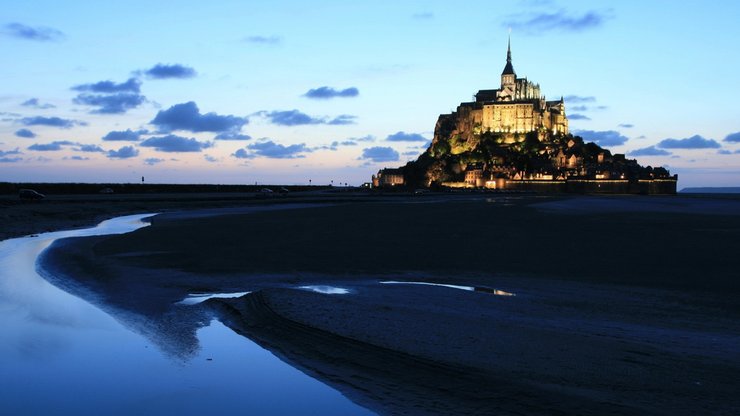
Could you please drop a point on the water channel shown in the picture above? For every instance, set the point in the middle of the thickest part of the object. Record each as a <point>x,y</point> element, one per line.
<point>61,355</point>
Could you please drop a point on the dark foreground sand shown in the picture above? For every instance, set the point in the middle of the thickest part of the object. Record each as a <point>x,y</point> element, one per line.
<point>626,310</point>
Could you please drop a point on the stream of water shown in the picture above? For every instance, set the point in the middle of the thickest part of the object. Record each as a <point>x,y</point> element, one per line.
<point>62,355</point>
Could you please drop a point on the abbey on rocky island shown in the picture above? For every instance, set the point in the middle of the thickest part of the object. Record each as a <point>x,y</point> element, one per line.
<point>512,138</point>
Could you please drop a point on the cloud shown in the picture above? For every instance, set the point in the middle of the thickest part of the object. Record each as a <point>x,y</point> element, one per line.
<point>187,116</point>
<point>76,157</point>
<point>723,152</point>
<point>210,159</point>
<point>579,108</point>
<point>127,135</point>
<point>649,151</point>
<point>126,152</point>
<point>264,40</point>
<point>733,137</point>
<point>173,143</point>
<point>342,119</point>
<point>164,71</point>
<point>297,118</point>
<point>603,138</point>
<point>34,103</point>
<point>560,21</point>
<point>325,93</point>
<point>579,99</point>
<point>405,137</point>
<point>626,125</point>
<point>423,15</point>
<point>272,150</point>
<point>90,148</point>
<point>693,142</point>
<point>242,154</point>
<point>151,161</point>
<point>51,121</point>
<point>50,147</point>
<point>578,117</point>
<point>110,87</point>
<point>117,103</point>
<point>291,118</point>
<point>232,135</point>
<point>380,154</point>
<point>25,133</point>
<point>40,33</point>
<point>411,153</point>
<point>10,159</point>
<point>4,153</point>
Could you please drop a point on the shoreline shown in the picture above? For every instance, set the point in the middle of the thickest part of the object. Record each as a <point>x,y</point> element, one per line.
<point>598,342</point>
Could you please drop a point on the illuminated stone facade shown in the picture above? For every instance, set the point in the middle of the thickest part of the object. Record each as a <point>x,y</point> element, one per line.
<point>516,108</point>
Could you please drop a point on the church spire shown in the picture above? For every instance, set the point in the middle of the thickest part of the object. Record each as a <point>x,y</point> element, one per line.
<point>509,68</point>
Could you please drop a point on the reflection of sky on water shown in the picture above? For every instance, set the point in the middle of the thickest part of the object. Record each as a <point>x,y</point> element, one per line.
<point>196,298</point>
<point>61,355</point>
<point>327,290</point>
<point>496,292</point>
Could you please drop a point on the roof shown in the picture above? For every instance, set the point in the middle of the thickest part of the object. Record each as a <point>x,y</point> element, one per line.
<point>509,68</point>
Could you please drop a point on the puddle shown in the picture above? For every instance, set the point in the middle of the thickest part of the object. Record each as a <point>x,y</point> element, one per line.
<point>327,290</point>
<point>196,298</point>
<point>483,289</point>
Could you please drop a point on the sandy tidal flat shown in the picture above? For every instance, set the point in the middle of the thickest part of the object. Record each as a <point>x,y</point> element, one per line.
<point>615,312</point>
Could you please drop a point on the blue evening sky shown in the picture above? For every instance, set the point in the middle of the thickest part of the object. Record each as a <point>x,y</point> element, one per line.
<point>287,91</point>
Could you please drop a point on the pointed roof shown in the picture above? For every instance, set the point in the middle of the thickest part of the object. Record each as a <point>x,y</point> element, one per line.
<point>509,68</point>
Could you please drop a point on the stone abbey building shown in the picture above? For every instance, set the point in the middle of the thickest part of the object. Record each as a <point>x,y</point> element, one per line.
<point>512,138</point>
<point>516,107</point>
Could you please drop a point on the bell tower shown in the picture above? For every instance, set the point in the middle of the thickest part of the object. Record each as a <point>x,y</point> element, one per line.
<point>508,76</point>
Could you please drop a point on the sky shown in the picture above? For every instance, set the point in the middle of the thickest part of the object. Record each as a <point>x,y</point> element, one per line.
<point>287,92</point>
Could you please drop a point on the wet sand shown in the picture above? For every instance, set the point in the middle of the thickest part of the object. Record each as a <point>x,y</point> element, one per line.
<point>617,311</point>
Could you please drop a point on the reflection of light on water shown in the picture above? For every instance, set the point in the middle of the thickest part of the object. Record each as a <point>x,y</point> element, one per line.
<point>327,290</point>
<point>459,287</point>
<point>196,298</point>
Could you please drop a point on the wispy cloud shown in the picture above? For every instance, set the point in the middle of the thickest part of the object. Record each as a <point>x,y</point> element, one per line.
<point>51,121</point>
<point>167,71</point>
<point>325,93</point>
<point>35,103</point>
<point>151,161</point>
<point>264,40</point>
<point>39,33</point>
<point>117,103</point>
<point>127,135</point>
<point>269,149</point>
<point>559,21</point>
<point>10,152</point>
<point>603,138</point>
<point>576,116</point>
<point>51,147</point>
<point>576,99</point>
<point>109,87</point>
<point>406,137</point>
<point>626,125</point>
<point>232,136</point>
<point>297,118</point>
<point>89,148</point>
<point>423,15</point>
<point>649,151</point>
<point>693,142</point>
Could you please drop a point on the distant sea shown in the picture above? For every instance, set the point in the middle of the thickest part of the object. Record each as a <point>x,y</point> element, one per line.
<point>715,190</point>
